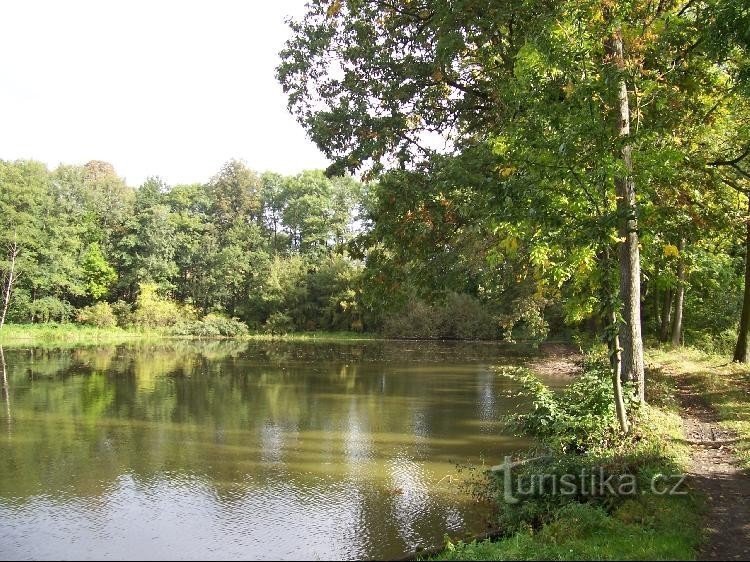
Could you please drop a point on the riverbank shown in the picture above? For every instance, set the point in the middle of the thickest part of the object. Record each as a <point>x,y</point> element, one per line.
<point>76,334</point>
<point>697,423</point>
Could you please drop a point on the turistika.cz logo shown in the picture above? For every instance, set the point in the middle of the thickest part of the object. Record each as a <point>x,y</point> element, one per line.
<point>589,482</point>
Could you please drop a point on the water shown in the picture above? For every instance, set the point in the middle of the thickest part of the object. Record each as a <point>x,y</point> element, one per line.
<point>225,450</point>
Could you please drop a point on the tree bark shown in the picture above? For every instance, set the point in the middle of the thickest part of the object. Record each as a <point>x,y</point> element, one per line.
<point>629,255</point>
<point>615,352</point>
<point>9,279</point>
<point>741,352</point>
<point>612,337</point>
<point>677,326</point>
<point>666,315</point>
<point>6,389</point>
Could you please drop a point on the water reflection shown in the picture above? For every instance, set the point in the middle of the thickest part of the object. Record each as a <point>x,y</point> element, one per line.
<point>229,449</point>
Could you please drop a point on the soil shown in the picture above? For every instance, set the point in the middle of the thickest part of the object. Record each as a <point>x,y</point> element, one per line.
<point>717,473</point>
<point>557,360</point>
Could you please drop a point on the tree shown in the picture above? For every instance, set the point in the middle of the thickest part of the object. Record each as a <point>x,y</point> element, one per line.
<point>148,246</point>
<point>370,81</point>
<point>99,275</point>
<point>235,194</point>
<point>22,205</point>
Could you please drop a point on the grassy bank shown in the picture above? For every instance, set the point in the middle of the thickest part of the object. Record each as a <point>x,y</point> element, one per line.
<point>641,526</point>
<point>39,334</point>
<point>724,385</point>
<point>314,336</point>
<point>76,334</point>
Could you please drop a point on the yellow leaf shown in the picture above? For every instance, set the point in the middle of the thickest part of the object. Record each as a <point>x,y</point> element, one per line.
<point>671,251</point>
<point>334,8</point>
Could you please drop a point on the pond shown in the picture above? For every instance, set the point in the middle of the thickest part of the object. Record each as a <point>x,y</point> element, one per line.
<point>221,450</point>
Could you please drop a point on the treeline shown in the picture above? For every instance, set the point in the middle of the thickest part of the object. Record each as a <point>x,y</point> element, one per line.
<point>293,253</point>
<point>268,250</point>
<point>244,251</point>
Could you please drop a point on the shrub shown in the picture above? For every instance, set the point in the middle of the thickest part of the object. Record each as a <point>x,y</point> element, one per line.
<point>122,311</point>
<point>230,327</point>
<point>279,323</point>
<point>460,316</point>
<point>155,311</point>
<point>213,325</point>
<point>722,343</point>
<point>197,328</point>
<point>50,309</point>
<point>100,315</point>
<point>465,317</point>
<point>416,320</point>
<point>580,419</point>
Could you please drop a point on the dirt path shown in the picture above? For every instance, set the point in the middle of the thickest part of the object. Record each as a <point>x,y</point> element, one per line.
<point>715,471</point>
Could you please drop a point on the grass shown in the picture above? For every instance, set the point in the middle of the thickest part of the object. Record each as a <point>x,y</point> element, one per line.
<point>33,334</point>
<point>314,336</point>
<point>724,385</point>
<point>641,527</point>
<point>658,530</point>
<point>77,334</point>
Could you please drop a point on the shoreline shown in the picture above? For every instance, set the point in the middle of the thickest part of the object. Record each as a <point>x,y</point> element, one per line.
<point>77,334</point>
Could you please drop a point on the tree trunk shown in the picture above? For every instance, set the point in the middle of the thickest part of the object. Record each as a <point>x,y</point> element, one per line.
<point>666,315</point>
<point>741,352</point>
<point>629,255</point>
<point>6,389</point>
<point>616,361</point>
<point>677,326</point>
<point>611,335</point>
<point>9,279</point>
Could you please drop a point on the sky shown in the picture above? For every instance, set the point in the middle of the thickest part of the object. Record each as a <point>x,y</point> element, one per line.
<point>167,88</point>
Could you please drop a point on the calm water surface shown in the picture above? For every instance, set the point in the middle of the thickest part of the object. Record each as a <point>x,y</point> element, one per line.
<point>233,450</point>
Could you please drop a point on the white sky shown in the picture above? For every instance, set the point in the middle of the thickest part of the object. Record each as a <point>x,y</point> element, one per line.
<point>168,88</point>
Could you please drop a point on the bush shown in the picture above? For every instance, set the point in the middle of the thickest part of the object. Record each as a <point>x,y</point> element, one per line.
<point>100,315</point>
<point>213,325</point>
<point>460,316</point>
<point>229,327</point>
<point>578,432</point>
<point>722,343</point>
<point>122,311</point>
<point>279,323</point>
<point>154,311</point>
<point>465,317</point>
<point>50,309</point>
<point>580,419</point>
<point>416,320</point>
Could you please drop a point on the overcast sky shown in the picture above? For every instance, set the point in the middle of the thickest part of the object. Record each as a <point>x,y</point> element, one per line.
<point>154,87</point>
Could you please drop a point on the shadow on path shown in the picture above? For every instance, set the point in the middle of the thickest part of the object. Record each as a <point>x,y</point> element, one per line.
<point>716,472</point>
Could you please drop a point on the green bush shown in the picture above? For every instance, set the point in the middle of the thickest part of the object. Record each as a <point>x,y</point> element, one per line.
<point>722,343</point>
<point>229,327</point>
<point>213,325</point>
<point>416,320</point>
<point>460,316</point>
<point>154,311</point>
<point>123,311</point>
<point>100,315</point>
<point>465,317</point>
<point>580,419</point>
<point>279,323</point>
<point>50,309</point>
<point>577,433</point>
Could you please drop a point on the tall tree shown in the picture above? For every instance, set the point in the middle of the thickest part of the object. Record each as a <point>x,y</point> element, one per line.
<point>374,82</point>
